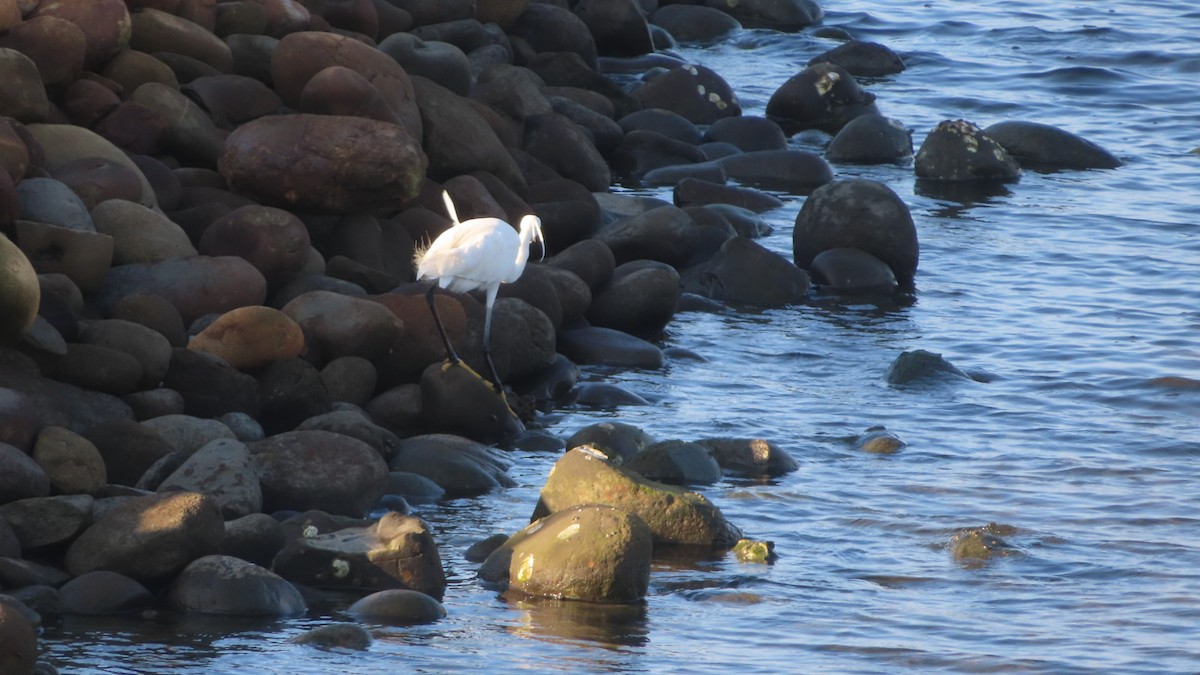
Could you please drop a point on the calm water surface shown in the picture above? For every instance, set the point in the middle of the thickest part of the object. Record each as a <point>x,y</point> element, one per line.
<point>1070,295</point>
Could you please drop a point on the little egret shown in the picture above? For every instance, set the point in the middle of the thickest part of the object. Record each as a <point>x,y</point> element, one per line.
<point>478,253</point>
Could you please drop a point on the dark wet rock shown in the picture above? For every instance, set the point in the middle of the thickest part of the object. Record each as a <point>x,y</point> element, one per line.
<point>291,391</point>
<point>796,171</point>
<point>153,312</point>
<point>349,378</point>
<point>18,635</point>
<point>858,213</point>
<point>128,449</point>
<point>273,240</point>
<point>300,56</point>
<point>244,427</point>
<point>104,592</point>
<point>186,526</point>
<point>862,59</point>
<point>148,347</point>
<point>233,99</point>
<point>154,403</point>
<point>850,270</point>
<point>132,68</point>
<point>511,91</point>
<point>878,440</point>
<point>71,462</point>
<point>823,96</point>
<point>25,96</point>
<point>691,192</point>
<point>591,260</point>
<point>502,12</point>
<point>457,139</point>
<point>604,396</point>
<point>335,636</point>
<point>606,134</point>
<point>552,383</point>
<point>664,234</point>
<point>98,368</point>
<point>870,139</point>
<point>65,143</point>
<point>781,15</point>
<point>958,150</point>
<point>676,462</point>
<point>748,133</point>
<point>17,573</point>
<point>253,336</point>
<point>694,23</point>
<point>565,69</point>
<point>675,516</point>
<point>480,550</point>
<point>749,456</point>
<point>568,149</point>
<point>396,552</point>
<point>141,234</point>
<point>523,338</point>
<point>20,475</point>
<point>158,31</point>
<point>222,470</point>
<point>593,553</point>
<point>1041,146</point>
<point>618,440</point>
<point>571,292</point>
<point>918,365</point>
<point>252,55</point>
<point>86,102</point>
<point>640,298</point>
<point>618,27</point>
<point>460,466</point>
<point>707,172</point>
<point>457,400</point>
<point>56,46</point>
<point>365,164</point>
<point>255,538</point>
<point>209,386</point>
<point>413,487</point>
<point>441,62</point>
<point>695,92</point>
<point>196,286</point>
<point>339,325</point>
<point>746,273</point>
<point>190,134</point>
<point>318,470</point>
<point>45,522</point>
<point>644,150</point>
<point>228,586</point>
<point>568,211</point>
<point>605,346</point>
<point>96,179</point>
<point>82,255</point>
<point>397,607</point>
<point>355,424</point>
<point>548,28</point>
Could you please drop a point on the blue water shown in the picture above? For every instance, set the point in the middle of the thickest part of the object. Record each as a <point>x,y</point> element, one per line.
<point>1072,296</point>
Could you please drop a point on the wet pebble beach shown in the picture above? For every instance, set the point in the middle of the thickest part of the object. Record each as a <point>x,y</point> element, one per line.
<point>749,335</point>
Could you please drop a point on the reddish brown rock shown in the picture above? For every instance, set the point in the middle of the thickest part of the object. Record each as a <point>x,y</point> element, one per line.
<point>300,56</point>
<point>233,98</point>
<point>105,24</point>
<point>251,336</point>
<point>56,46</point>
<point>273,240</point>
<point>323,163</point>
<point>338,90</point>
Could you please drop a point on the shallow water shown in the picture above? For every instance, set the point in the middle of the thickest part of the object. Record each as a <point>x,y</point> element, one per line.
<point>1072,297</point>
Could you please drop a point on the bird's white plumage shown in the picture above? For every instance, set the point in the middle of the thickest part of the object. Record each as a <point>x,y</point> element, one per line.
<point>478,253</point>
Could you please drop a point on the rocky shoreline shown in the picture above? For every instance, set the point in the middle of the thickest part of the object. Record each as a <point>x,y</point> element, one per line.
<point>215,362</point>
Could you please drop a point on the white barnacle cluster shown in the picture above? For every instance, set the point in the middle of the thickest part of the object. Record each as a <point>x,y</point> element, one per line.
<point>715,99</point>
<point>341,568</point>
<point>826,82</point>
<point>309,531</point>
<point>691,69</point>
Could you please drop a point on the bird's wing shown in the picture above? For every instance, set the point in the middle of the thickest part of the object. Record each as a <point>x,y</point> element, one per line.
<point>467,251</point>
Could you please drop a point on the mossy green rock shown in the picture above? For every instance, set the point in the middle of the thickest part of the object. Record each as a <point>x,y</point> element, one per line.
<point>674,515</point>
<point>593,553</point>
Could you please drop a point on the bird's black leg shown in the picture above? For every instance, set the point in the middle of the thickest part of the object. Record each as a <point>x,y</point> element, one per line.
<point>450,353</point>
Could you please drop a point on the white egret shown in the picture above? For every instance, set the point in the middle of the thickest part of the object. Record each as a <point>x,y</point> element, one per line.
<point>477,253</point>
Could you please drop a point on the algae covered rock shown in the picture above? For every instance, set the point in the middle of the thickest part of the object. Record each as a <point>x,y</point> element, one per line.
<point>675,516</point>
<point>592,552</point>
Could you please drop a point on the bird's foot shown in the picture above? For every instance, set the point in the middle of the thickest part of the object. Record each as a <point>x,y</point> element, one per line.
<point>459,363</point>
